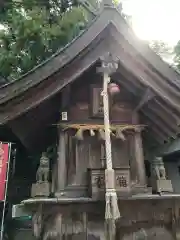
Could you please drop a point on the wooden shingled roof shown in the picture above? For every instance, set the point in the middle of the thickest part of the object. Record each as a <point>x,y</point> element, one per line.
<point>139,69</point>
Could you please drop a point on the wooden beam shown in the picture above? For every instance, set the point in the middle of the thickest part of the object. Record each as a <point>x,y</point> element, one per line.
<point>163,115</point>
<point>159,123</point>
<point>147,96</point>
<point>167,110</point>
<point>150,132</point>
<point>133,80</point>
<point>156,130</point>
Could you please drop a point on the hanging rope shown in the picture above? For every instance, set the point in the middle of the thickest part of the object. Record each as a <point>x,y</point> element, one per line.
<point>112,210</point>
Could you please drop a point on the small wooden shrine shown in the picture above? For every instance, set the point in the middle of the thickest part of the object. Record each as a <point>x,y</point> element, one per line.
<point>59,103</point>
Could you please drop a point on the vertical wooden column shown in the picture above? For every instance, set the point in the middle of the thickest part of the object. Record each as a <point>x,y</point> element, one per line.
<point>85,225</point>
<point>139,157</point>
<point>132,162</point>
<point>176,220</point>
<point>61,162</point>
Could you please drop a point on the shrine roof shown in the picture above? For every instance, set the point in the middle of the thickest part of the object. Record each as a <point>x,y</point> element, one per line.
<point>109,16</point>
<point>109,32</point>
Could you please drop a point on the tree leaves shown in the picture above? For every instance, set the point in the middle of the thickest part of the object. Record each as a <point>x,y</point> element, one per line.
<point>33,31</point>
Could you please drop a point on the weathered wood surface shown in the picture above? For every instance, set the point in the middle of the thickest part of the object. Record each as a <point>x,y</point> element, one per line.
<point>84,108</point>
<point>87,152</point>
<point>151,219</point>
<point>139,66</point>
<point>61,162</point>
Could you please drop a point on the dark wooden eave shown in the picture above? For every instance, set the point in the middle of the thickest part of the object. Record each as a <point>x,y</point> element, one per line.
<point>139,69</point>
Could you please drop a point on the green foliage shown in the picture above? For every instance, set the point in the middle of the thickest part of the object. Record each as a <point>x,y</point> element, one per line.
<point>33,31</point>
<point>177,55</point>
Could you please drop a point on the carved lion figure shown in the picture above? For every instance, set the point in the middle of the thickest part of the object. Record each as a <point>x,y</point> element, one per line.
<point>42,174</point>
<point>158,168</point>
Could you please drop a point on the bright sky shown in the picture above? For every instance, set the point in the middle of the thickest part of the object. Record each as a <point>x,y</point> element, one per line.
<point>155,19</point>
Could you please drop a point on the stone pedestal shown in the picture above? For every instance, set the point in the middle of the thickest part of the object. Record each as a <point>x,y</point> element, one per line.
<point>40,189</point>
<point>162,185</point>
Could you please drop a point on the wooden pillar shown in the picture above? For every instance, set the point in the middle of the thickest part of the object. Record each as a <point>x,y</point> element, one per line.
<point>132,162</point>
<point>84,223</point>
<point>176,220</point>
<point>54,177</point>
<point>139,157</point>
<point>61,162</point>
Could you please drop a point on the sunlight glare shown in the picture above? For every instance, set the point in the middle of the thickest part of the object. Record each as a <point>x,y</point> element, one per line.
<point>155,19</point>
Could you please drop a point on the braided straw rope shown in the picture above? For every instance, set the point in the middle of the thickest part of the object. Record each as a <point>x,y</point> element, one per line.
<point>112,210</point>
<point>113,127</point>
<point>106,121</point>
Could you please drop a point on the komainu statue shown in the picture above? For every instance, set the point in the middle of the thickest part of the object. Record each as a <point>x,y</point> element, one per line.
<point>160,183</point>
<point>42,174</point>
<point>158,169</point>
<point>42,186</point>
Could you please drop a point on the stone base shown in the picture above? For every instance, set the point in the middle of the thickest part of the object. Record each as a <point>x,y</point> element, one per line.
<point>138,189</point>
<point>74,191</point>
<point>40,189</point>
<point>163,185</point>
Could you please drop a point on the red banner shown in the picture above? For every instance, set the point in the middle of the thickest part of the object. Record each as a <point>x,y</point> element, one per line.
<point>4,158</point>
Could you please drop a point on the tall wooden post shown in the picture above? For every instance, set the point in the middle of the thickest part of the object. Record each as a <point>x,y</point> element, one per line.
<point>139,157</point>
<point>61,162</point>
